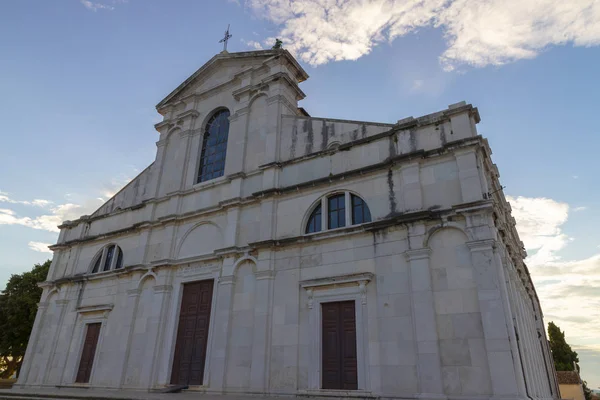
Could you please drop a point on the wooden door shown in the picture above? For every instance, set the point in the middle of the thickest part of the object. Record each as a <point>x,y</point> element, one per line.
<point>89,351</point>
<point>192,334</point>
<point>339,364</point>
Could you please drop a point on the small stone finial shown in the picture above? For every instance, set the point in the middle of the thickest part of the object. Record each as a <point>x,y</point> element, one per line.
<point>277,44</point>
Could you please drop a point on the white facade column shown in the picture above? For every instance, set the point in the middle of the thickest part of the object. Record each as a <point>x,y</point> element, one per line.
<point>493,318</point>
<point>411,186</point>
<point>133,295</point>
<point>222,321</point>
<point>33,342</point>
<point>504,281</point>
<point>236,142</point>
<point>468,174</point>
<point>162,294</point>
<point>262,322</point>
<point>426,336</point>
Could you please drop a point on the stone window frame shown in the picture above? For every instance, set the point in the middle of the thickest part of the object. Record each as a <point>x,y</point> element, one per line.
<point>99,259</point>
<point>323,204</point>
<point>203,146</point>
<point>333,289</point>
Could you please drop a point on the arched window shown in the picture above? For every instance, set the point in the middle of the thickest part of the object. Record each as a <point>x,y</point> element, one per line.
<point>340,209</point>
<point>314,222</point>
<point>214,147</point>
<point>109,258</point>
<point>360,211</point>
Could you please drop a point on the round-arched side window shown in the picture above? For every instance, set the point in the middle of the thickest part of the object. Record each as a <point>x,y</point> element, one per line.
<point>109,258</point>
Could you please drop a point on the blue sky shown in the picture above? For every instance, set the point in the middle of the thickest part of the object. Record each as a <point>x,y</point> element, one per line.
<point>79,81</point>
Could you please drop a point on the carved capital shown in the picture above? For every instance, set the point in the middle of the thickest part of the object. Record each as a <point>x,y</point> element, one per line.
<point>418,254</point>
<point>163,288</point>
<point>481,245</point>
<point>226,280</point>
<point>311,298</point>
<point>260,275</point>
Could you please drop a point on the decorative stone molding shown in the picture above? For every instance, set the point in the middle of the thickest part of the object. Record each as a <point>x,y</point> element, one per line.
<point>133,292</point>
<point>365,277</point>
<point>103,308</point>
<point>418,254</point>
<point>481,245</point>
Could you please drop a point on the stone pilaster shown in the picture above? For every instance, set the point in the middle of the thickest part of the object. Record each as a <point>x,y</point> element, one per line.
<point>32,344</point>
<point>221,328</point>
<point>411,186</point>
<point>505,293</point>
<point>260,345</point>
<point>426,337</point>
<point>133,295</point>
<point>162,292</point>
<point>493,318</point>
<point>236,142</point>
<point>468,174</point>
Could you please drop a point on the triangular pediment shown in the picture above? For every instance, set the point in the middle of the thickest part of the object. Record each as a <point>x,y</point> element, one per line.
<point>225,67</point>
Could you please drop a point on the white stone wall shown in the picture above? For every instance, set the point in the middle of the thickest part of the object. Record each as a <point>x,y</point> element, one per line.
<point>434,276</point>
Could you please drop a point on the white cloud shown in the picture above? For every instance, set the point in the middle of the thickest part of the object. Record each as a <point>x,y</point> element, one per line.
<point>39,246</point>
<point>5,198</point>
<point>49,222</point>
<point>539,223</point>
<point>96,6</point>
<point>417,85</point>
<point>581,208</point>
<point>568,290</point>
<point>575,176</point>
<point>477,33</point>
<point>253,44</point>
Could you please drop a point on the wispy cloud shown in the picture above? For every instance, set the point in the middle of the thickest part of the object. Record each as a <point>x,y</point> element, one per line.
<point>5,198</point>
<point>49,222</point>
<point>477,33</point>
<point>56,214</point>
<point>40,247</point>
<point>580,208</point>
<point>95,6</point>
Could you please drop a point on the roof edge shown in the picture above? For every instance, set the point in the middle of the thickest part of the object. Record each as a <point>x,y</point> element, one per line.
<point>226,55</point>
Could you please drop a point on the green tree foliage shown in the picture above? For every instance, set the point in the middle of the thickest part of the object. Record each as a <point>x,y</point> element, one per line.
<point>564,357</point>
<point>18,307</point>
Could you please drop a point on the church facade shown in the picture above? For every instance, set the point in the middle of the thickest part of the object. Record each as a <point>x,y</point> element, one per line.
<point>266,251</point>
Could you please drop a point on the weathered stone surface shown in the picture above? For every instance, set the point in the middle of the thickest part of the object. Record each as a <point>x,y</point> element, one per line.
<point>436,286</point>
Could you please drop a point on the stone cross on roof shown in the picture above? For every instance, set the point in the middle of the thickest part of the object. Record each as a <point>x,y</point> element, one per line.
<point>226,38</point>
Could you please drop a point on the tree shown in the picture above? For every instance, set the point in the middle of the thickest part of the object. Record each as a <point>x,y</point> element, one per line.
<point>564,357</point>
<point>18,307</point>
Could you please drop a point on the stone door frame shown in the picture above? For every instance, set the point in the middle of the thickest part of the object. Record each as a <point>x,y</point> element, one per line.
<point>173,325</point>
<point>326,290</point>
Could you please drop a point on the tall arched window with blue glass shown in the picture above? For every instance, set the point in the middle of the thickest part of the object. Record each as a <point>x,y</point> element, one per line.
<point>214,147</point>
<point>336,210</point>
